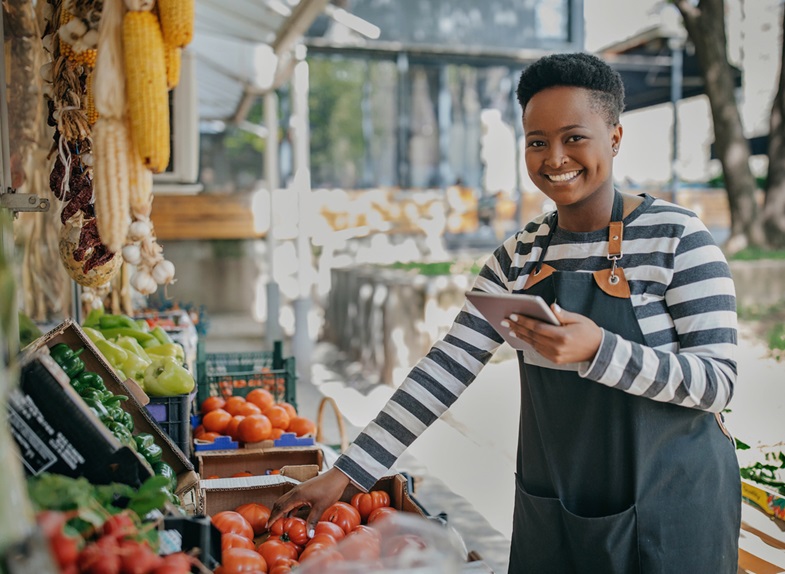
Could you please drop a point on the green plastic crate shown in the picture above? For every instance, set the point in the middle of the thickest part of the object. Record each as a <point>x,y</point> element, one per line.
<point>226,374</point>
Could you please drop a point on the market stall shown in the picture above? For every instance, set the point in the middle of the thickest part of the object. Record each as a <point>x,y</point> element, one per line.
<point>128,445</point>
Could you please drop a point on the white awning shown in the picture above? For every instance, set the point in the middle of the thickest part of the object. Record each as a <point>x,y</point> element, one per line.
<point>244,48</point>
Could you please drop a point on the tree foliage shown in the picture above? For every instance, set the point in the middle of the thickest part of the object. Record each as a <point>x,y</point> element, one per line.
<point>705,24</point>
<point>774,205</point>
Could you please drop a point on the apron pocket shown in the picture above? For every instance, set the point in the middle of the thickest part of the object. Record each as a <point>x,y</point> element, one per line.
<point>606,544</point>
<point>538,542</point>
<point>549,538</point>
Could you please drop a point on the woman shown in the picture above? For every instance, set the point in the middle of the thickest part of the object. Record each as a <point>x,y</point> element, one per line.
<point>623,462</point>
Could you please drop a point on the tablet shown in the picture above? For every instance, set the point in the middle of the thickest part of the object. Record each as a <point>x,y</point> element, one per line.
<point>497,307</point>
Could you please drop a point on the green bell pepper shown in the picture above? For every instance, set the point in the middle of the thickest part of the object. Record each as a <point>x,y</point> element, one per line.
<point>162,336</point>
<point>112,401</point>
<point>141,336</point>
<point>115,413</point>
<point>152,453</point>
<point>144,439</point>
<point>132,345</point>
<point>88,380</point>
<point>119,430</point>
<point>113,353</point>
<point>135,367</point>
<point>96,395</point>
<point>116,321</point>
<point>162,469</point>
<point>97,407</point>
<point>164,377</point>
<point>127,420</point>
<point>174,350</point>
<point>68,359</point>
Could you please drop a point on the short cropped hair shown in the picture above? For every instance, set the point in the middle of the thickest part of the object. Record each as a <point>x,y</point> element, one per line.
<point>580,70</point>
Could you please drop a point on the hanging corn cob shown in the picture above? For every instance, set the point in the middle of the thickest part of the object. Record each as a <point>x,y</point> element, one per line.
<point>109,86</point>
<point>110,181</point>
<point>89,102</point>
<point>148,98</point>
<point>177,21</point>
<point>77,40</point>
<point>140,184</point>
<point>173,61</point>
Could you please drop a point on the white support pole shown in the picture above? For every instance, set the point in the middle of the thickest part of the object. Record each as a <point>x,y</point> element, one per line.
<point>271,168</point>
<point>302,343</point>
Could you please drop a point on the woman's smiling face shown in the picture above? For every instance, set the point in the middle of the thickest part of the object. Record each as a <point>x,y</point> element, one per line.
<point>569,146</point>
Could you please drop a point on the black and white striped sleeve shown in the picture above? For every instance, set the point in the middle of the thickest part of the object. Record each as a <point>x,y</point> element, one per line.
<point>701,371</point>
<point>432,386</point>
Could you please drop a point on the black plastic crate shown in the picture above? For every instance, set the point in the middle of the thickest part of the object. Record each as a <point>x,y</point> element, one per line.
<point>173,415</point>
<point>227,374</point>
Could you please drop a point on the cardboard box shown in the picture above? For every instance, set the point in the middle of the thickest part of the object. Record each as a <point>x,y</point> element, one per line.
<point>71,333</point>
<point>225,463</point>
<point>228,494</point>
<point>57,432</point>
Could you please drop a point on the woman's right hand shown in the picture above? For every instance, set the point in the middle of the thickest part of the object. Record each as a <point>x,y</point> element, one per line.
<point>319,493</point>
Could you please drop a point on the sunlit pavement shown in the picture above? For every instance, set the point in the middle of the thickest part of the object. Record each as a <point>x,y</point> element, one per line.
<point>464,463</point>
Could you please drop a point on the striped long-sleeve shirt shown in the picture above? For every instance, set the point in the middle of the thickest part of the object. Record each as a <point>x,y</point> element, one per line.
<point>682,294</point>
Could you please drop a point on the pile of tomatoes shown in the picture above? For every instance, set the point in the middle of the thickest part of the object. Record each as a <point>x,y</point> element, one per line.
<point>118,547</point>
<point>248,546</point>
<point>253,418</point>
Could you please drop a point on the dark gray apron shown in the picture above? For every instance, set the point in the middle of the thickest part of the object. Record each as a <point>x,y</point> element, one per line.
<point>608,482</point>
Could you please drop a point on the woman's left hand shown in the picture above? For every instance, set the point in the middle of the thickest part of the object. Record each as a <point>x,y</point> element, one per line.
<point>577,339</point>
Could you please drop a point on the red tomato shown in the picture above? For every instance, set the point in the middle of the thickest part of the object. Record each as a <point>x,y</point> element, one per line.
<point>380,513</point>
<point>324,527</point>
<point>326,554</point>
<point>290,530</point>
<point>177,563</point>
<point>230,521</point>
<point>344,515</point>
<point>361,544</point>
<point>208,436</point>
<point>367,502</point>
<point>284,566</point>
<point>240,560</point>
<point>212,403</point>
<point>322,540</point>
<point>275,549</point>
<point>301,426</point>
<point>232,540</point>
<point>256,515</point>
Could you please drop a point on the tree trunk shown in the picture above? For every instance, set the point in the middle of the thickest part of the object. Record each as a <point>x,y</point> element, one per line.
<point>774,205</point>
<point>705,24</point>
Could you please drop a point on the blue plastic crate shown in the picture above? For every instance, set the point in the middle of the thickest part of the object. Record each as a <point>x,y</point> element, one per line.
<point>173,415</point>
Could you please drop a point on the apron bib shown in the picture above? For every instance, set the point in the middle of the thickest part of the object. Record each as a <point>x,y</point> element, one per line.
<point>608,482</point>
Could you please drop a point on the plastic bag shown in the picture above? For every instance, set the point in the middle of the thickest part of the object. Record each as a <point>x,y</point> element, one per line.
<point>397,544</point>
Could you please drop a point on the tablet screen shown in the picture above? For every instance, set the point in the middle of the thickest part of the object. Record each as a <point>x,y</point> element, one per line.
<point>496,307</point>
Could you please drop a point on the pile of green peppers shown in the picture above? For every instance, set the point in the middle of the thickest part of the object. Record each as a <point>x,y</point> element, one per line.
<point>148,356</point>
<point>106,406</point>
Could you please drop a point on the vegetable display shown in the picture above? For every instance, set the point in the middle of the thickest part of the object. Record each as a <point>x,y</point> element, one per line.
<point>103,529</point>
<point>147,356</point>
<point>106,406</point>
<point>286,544</point>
